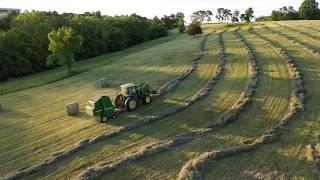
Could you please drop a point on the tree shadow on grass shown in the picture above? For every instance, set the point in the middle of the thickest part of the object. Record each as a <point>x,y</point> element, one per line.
<point>298,39</point>
<point>13,114</point>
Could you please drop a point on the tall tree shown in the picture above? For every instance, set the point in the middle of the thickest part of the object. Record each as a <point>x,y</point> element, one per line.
<point>226,14</point>
<point>242,16</point>
<point>285,13</point>
<point>235,16</point>
<point>5,23</point>
<point>309,9</point>
<point>208,15</point>
<point>170,21</point>
<point>223,14</point>
<point>63,44</point>
<point>24,39</point>
<point>248,15</point>
<point>180,15</point>
<point>201,16</point>
<point>219,14</point>
<point>181,26</point>
<point>158,28</point>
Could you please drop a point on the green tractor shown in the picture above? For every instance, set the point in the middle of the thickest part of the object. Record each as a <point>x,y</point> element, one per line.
<point>130,95</point>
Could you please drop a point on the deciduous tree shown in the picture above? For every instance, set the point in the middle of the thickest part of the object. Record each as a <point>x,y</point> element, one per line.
<point>194,28</point>
<point>309,10</point>
<point>248,15</point>
<point>235,16</point>
<point>201,16</point>
<point>64,42</point>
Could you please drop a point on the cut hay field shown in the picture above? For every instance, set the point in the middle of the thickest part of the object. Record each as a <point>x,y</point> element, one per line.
<point>3,15</point>
<point>249,110</point>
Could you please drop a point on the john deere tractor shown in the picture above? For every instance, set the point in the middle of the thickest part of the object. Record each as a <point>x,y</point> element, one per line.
<point>131,94</point>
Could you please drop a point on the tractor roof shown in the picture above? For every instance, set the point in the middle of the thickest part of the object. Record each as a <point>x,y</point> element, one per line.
<point>128,85</point>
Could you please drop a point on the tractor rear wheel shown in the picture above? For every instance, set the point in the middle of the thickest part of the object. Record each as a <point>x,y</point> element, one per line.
<point>131,103</point>
<point>147,99</point>
<point>119,101</point>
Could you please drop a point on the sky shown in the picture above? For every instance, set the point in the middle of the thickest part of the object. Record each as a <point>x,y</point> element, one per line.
<point>148,8</point>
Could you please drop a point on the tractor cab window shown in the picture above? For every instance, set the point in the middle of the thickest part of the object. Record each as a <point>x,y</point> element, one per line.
<point>133,90</point>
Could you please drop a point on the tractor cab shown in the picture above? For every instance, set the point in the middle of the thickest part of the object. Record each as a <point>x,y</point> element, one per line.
<point>128,89</point>
<point>131,93</point>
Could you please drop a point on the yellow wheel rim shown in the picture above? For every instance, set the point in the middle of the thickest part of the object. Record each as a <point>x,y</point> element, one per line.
<point>148,99</point>
<point>132,104</point>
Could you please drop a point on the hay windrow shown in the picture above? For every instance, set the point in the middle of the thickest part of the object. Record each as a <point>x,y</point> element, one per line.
<point>300,32</point>
<point>313,154</point>
<point>95,171</point>
<point>103,167</point>
<point>107,166</point>
<point>55,157</point>
<point>297,86</point>
<point>308,49</point>
<point>245,97</point>
<point>314,29</point>
<point>172,84</point>
<point>243,100</point>
<point>193,169</point>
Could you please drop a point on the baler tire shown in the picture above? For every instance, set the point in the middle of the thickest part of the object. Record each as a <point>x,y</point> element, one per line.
<point>103,119</point>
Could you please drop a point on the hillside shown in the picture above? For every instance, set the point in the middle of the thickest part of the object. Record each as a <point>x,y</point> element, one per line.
<point>248,110</point>
<point>3,15</point>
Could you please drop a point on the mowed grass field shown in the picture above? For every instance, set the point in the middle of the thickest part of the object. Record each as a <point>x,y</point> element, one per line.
<point>34,124</point>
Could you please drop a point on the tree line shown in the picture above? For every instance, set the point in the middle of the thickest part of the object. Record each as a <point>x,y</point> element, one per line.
<point>223,15</point>
<point>308,10</point>
<point>35,41</point>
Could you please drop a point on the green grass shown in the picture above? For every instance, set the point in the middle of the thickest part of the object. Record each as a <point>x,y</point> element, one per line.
<point>214,104</point>
<point>3,15</point>
<point>308,41</point>
<point>60,73</point>
<point>34,124</point>
<point>285,159</point>
<point>24,122</point>
<point>196,80</point>
<point>242,129</point>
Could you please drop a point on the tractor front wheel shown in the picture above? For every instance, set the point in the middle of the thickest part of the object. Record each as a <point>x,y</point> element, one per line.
<point>103,119</point>
<point>131,103</point>
<point>147,99</point>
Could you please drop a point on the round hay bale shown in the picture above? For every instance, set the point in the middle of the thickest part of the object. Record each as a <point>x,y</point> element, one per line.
<point>72,108</point>
<point>103,82</point>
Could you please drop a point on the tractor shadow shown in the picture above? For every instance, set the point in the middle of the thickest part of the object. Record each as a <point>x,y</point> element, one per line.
<point>124,117</point>
<point>83,116</point>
